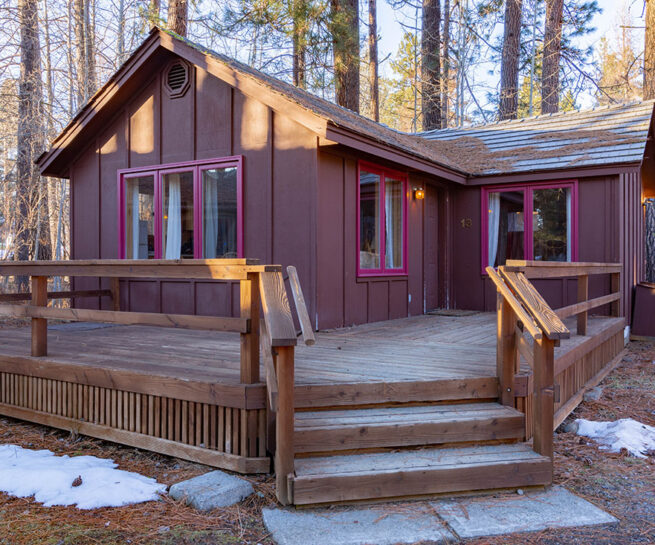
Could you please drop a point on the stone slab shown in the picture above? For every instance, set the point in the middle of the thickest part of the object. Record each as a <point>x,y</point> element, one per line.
<point>531,512</point>
<point>357,526</point>
<point>211,490</point>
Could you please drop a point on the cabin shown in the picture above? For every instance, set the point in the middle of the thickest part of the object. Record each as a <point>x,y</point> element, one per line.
<point>216,211</point>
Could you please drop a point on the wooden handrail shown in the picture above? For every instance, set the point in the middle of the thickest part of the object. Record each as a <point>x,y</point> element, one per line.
<point>549,323</point>
<point>559,269</point>
<point>301,307</point>
<point>526,320</point>
<point>276,309</point>
<point>269,367</point>
<point>7,297</point>
<point>577,308</point>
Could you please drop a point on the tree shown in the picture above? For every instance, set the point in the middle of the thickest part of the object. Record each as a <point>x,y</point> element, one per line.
<point>431,65</point>
<point>373,59</point>
<point>618,77</point>
<point>649,51</point>
<point>509,68</point>
<point>178,16</point>
<point>29,135</point>
<point>300,33</point>
<point>445,55</point>
<point>85,51</point>
<point>552,50</point>
<point>344,27</point>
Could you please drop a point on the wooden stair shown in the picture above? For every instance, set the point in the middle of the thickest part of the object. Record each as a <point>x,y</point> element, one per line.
<point>416,472</point>
<point>407,449</point>
<point>405,425</point>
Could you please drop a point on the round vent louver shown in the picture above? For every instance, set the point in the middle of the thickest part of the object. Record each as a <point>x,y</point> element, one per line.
<point>176,78</point>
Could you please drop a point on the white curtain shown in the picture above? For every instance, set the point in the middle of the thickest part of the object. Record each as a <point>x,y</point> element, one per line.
<point>210,232</point>
<point>494,226</point>
<point>569,240</point>
<point>388,220</point>
<point>174,222</point>
<point>136,239</point>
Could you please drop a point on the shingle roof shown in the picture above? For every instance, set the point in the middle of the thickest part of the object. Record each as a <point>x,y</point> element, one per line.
<point>599,137</point>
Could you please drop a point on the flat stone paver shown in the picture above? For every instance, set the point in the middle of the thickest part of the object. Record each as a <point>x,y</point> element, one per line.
<point>532,512</point>
<point>357,526</point>
<point>440,521</point>
<point>211,490</point>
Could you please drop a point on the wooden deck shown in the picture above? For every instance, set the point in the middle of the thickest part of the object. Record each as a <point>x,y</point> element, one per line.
<point>421,348</point>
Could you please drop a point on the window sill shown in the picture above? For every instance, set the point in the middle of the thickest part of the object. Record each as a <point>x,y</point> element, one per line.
<point>382,276</point>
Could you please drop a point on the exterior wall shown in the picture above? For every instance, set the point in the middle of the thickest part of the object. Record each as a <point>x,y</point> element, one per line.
<point>343,298</point>
<point>610,229</point>
<point>211,120</point>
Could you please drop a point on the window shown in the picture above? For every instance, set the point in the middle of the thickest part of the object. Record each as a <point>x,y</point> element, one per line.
<point>382,242</point>
<point>550,234</point>
<point>181,211</point>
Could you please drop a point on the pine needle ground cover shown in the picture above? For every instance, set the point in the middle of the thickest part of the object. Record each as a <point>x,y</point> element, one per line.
<point>616,482</point>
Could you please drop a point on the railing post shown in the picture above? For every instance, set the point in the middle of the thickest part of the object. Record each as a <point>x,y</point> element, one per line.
<point>544,407</point>
<point>583,295</point>
<point>115,293</point>
<point>506,353</point>
<point>39,325</point>
<point>615,306</point>
<point>250,301</point>
<point>284,435</point>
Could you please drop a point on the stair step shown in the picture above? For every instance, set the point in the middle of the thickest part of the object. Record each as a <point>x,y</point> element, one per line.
<point>325,431</point>
<point>417,472</point>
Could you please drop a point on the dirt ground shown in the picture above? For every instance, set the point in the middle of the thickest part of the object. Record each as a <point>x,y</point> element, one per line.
<point>620,484</point>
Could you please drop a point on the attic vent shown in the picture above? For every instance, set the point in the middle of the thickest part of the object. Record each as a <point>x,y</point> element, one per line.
<point>177,79</point>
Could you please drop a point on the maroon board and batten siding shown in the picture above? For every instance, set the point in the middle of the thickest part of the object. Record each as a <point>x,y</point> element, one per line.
<point>610,229</point>
<point>344,299</point>
<point>211,120</point>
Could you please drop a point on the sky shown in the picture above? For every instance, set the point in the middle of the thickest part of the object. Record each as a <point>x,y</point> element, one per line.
<point>606,23</point>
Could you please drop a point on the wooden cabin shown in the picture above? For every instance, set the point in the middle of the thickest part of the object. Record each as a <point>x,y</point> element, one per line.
<point>196,181</point>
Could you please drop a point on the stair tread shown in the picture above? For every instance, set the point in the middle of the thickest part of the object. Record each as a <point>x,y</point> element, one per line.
<point>415,460</point>
<point>401,415</point>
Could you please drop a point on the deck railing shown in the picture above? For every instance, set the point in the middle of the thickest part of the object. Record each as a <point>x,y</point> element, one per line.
<point>265,321</point>
<point>522,309</point>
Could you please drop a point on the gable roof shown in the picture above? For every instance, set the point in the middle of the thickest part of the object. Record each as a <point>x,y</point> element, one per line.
<point>328,120</point>
<point>599,137</point>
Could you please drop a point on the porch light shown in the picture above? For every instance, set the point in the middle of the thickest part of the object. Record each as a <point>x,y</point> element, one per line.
<point>419,193</point>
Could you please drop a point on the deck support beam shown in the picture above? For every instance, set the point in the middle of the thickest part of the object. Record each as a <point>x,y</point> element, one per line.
<point>250,301</point>
<point>506,352</point>
<point>284,436</point>
<point>544,404</point>
<point>39,325</point>
<point>583,295</point>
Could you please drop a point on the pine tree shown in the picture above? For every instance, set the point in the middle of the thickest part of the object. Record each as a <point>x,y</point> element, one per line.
<point>509,70</point>
<point>178,16</point>
<point>373,59</point>
<point>344,28</point>
<point>649,51</point>
<point>552,51</point>
<point>431,65</point>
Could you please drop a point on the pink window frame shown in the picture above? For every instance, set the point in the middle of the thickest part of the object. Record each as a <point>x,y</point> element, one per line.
<point>528,207</point>
<point>157,172</point>
<point>383,172</point>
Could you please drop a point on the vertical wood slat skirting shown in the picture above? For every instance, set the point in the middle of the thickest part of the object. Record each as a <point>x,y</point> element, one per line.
<point>189,423</point>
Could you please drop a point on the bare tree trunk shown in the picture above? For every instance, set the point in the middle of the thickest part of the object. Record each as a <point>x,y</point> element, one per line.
<point>120,53</point>
<point>345,37</point>
<point>552,49</point>
<point>299,42</point>
<point>446,64</point>
<point>178,16</point>
<point>85,51</point>
<point>509,67</point>
<point>30,128</point>
<point>431,65</point>
<point>649,53</point>
<point>373,58</point>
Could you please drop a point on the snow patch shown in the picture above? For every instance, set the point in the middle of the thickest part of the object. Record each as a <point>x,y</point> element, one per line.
<point>49,478</point>
<point>635,437</point>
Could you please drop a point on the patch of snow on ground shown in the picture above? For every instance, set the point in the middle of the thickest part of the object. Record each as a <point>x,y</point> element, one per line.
<point>635,437</point>
<point>49,478</point>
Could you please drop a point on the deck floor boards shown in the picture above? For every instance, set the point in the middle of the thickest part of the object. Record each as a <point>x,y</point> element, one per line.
<point>409,349</point>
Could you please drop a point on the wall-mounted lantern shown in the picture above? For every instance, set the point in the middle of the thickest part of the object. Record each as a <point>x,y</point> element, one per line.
<point>419,193</point>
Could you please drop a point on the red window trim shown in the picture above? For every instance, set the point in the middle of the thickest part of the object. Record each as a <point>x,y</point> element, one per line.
<point>157,171</point>
<point>528,203</point>
<point>383,172</point>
